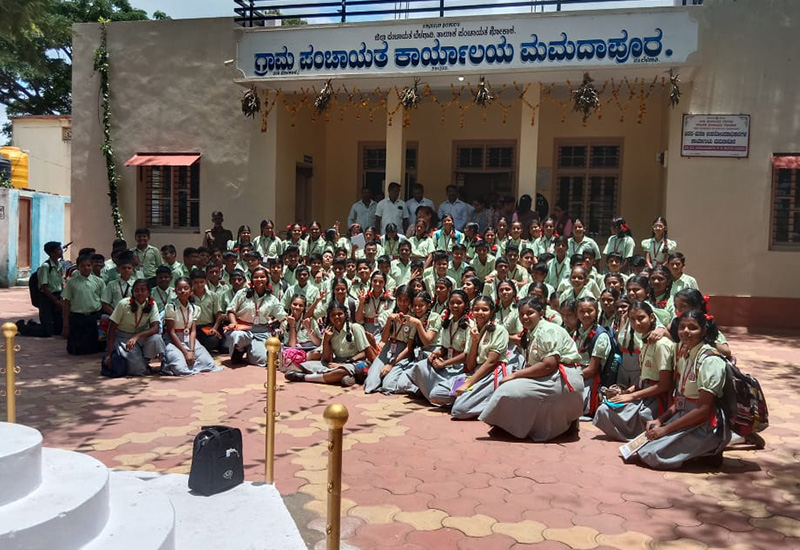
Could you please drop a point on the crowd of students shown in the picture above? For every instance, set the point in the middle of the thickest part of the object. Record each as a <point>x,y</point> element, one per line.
<point>515,325</point>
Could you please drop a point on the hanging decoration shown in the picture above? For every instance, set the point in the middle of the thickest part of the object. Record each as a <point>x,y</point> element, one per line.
<point>323,100</point>
<point>675,88</point>
<point>585,99</point>
<point>251,103</point>
<point>484,95</point>
<point>409,97</point>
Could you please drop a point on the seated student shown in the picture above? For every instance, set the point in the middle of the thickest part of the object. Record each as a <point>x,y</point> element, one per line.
<point>428,324</point>
<point>209,314</point>
<point>569,317</point>
<point>163,292</point>
<point>238,282</point>
<point>317,276</point>
<point>442,290</point>
<point>558,269</point>
<point>506,313</point>
<point>374,306</point>
<point>230,261</point>
<point>515,237</point>
<point>344,352</point>
<point>447,236</point>
<point>81,307</point>
<point>214,281</point>
<point>350,270</point>
<point>338,290</point>
<point>251,316</point>
<point>516,272</point>
<point>658,247</point>
<point>660,297</point>
<point>621,240</point>
<point>51,284</point>
<point>539,273</point>
<point>688,429</point>
<point>401,267</point>
<point>267,244</point>
<point>98,262</point>
<point>540,291</point>
<point>690,299</point>
<point>384,265</point>
<point>120,288</point>
<point>183,353</point>
<point>590,261</point>
<point>302,288</point>
<point>291,260</point>
<point>391,241</point>
<point>434,375</point>
<point>579,288</point>
<point>608,308</point>
<point>148,256</point>
<point>315,241</point>
<point>170,257</point>
<point>472,287</point>
<point>544,399</point>
<point>360,285</point>
<point>500,274</point>
<point>485,365</point>
<point>203,257</point>
<point>133,331</point>
<point>216,256</point>
<point>680,280</point>
<point>626,415</point>
<point>457,265</point>
<point>421,242</point>
<point>526,259</point>
<point>109,272</point>
<point>594,350</point>
<point>439,269</point>
<point>279,285</point>
<point>372,250</point>
<point>471,239</point>
<point>637,265</point>
<point>398,343</point>
<point>300,330</point>
<point>614,281</point>
<point>483,262</point>
<point>191,257</point>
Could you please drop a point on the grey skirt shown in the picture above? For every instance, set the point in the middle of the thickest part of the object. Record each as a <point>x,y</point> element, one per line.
<point>471,403</point>
<point>374,381</point>
<point>252,342</point>
<point>435,384</point>
<point>175,362</point>
<point>626,421</point>
<point>321,367</point>
<point>138,358</point>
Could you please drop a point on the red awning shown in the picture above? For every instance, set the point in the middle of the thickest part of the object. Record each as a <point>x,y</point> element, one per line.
<point>786,161</point>
<point>163,159</point>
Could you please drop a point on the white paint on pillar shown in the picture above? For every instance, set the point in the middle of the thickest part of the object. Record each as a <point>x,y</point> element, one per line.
<point>395,146</point>
<point>527,156</point>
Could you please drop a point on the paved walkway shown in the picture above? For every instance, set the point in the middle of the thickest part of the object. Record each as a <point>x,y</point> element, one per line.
<point>416,479</point>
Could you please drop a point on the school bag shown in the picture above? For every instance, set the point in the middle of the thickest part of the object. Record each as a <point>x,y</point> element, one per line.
<point>609,370</point>
<point>37,297</point>
<point>217,463</point>
<point>742,403</point>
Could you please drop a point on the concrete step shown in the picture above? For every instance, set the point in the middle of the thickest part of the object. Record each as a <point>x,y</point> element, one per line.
<point>20,461</point>
<point>142,518</point>
<point>69,508</point>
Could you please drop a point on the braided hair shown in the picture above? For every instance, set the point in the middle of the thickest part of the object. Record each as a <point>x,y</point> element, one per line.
<point>536,304</point>
<point>334,305</point>
<point>490,325</point>
<point>447,318</point>
<point>664,270</point>
<point>148,304</point>
<point>705,321</point>
<point>251,291</point>
<point>593,328</point>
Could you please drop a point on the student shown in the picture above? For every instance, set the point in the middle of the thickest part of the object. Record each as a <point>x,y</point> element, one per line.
<point>579,287</point>
<point>428,324</point>
<point>439,270</point>
<point>252,260</point>
<point>471,239</point>
<point>569,316</point>
<point>534,232</point>
<point>680,280</point>
<point>279,285</point>
<point>148,256</point>
<point>421,242</point>
<point>558,269</point>
<point>658,247</point>
<point>500,274</point>
<point>121,288</point>
<point>243,237</point>
<point>133,331</point>
<point>483,263</point>
<point>501,236</point>
<point>447,236</point>
<point>372,250</point>
<point>81,307</point>
<point>608,308</point>
<point>434,375</point>
<point>542,293</point>
<point>626,415</point>
<point>204,257</point>
<point>191,257</point>
<point>637,265</point>
<point>490,238</point>
<point>630,344</point>
<point>506,314</point>
<point>375,306</point>
<point>230,262</point>
<point>170,257</point>
<point>384,264</point>
<point>214,281</point>
<point>690,299</point>
<point>295,239</point>
<point>398,344</point>
<point>183,354</point>
<point>316,243</point>
<point>578,243</point>
<point>401,267</point>
<point>539,273</point>
<point>485,365</point>
<point>621,239</point>
<point>291,259</point>
<point>614,281</point>
<point>516,272</point>
<point>688,429</point>
<point>547,242</point>
<point>237,283</point>
<point>457,265</point>
<point>515,237</point>
<point>109,272</point>
<point>660,297</point>
<point>98,262</point>
<point>615,263</point>
<point>472,287</point>
<point>51,284</point>
<point>594,352</point>
<point>209,316</point>
<point>267,244</point>
<point>163,292</point>
<point>299,330</point>
<point>361,284</point>
<point>391,242</point>
<point>339,292</point>
<point>251,315</point>
<point>543,400</point>
<point>317,276</point>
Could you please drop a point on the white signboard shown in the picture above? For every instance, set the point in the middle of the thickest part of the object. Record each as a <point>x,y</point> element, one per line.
<point>716,136</point>
<point>664,37</point>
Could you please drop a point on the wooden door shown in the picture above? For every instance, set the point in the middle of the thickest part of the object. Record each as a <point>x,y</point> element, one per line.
<point>24,234</point>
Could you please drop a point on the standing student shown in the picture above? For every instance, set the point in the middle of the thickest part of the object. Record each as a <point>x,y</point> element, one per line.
<point>621,240</point>
<point>209,314</point>
<point>148,256</point>
<point>630,344</point>
<point>558,269</point>
<point>375,306</point>
<point>316,242</point>
<point>122,287</point>
<point>251,314</point>
<point>296,233</point>
<point>547,242</point>
<point>421,243</point>
<point>680,280</point>
<point>398,342</point>
<point>689,428</point>
<point>625,416</point>
<point>81,306</point>
<point>445,238</point>
<point>163,292</point>
<point>267,243</point>
<point>608,308</point>
<point>183,354</point>
<point>291,260</point>
<point>485,365</point>
<point>391,241</point>
<point>243,238</point>
<point>544,399</point>
<point>471,238</point>
<point>594,349</point>
<point>658,247</point>
<point>133,331</point>
<point>501,236</point>
<point>51,284</point>
<point>578,243</point>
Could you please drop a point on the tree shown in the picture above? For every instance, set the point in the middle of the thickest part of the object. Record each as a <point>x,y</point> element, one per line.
<point>36,50</point>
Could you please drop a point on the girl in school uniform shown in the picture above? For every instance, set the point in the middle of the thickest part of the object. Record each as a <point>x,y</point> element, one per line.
<point>506,313</point>
<point>621,240</point>
<point>441,294</point>
<point>344,351</point>
<point>242,239</point>
<point>608,307</point>
<point>544,399</point>
<point>421,243</point>
<point>472,287</point>
<point>579,287</point>
<point>569,316</point>
<point>316,243</point>
<point>295,233</point>
<point>660,297</point>
<point>471,238</point>
<point>689,428</point>
<point>690,299</point>
<point>447,236</point>
<point>299,330</point>
<point>267,244</point>
<point>490,238</point>
<point>398,344</point>
<point>391,242</point>
<point>546,244</point>
<point>533,232</point>
<point>501,236</point>
<point>680,280</point>
<point>630,344</point>
<point>658,247</point>
<point>578,243</point>
<point>434,375</point>
<point>594,352</point>
<point>251,316</point>
<point>375,306</point>
<point>515,237</point>
<point>625,416</point>
<point>184,354</point>
<point>485,364</point>
<point>427,323</point>
<point>133,331</point>
<point>542,293</point>
<point>339,292</point>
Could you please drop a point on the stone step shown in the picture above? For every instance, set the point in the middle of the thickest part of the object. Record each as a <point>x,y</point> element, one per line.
<point>20,461</point>
<point>68,509</point>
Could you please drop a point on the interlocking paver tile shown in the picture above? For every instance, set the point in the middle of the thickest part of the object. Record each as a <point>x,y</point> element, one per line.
<point>472,526</point>
<point>578,537</point>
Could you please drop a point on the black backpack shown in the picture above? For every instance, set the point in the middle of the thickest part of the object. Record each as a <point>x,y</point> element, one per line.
<point>609,370</point>
<point>37,297</point>
<point>217,463</point>
<point>742,403</point>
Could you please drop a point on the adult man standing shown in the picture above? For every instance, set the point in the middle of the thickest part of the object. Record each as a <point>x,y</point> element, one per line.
<point>363,212</point>
<point>457,208</point>
<point>217,236</point>
<point>417,199</point>
<point>392,210</point>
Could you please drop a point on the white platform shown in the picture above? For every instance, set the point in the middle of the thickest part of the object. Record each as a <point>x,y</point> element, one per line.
<point>20,446</point>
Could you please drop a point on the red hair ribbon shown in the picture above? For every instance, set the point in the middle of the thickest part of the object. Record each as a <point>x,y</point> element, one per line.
<point>709,317</point>
<point>289,226</point>
<point>623,227</point>
<point>445,315</point>
<point>303,228</point>
<point>706,299</point>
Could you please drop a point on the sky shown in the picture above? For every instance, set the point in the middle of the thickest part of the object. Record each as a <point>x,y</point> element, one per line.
<point>188,9</point>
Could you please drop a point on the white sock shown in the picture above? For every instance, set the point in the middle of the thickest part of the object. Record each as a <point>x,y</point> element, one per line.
<point>315,378</point>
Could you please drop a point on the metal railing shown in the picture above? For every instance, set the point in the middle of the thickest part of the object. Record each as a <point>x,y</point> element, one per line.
<point>255,13</point>
<point>11,371</point>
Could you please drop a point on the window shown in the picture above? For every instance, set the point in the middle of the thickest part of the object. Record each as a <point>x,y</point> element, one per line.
<point>484,167</point>
<point>172,196</point>
<point>587,182</point>
<point>373,167</point>
<point>785,218</point>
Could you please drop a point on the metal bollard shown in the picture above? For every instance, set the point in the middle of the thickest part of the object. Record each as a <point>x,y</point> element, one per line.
<point>273,348</point>
<point>11,392</point>
<point>336,416</point>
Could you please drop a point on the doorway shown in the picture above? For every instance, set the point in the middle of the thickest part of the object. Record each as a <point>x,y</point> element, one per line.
<point>24,235</point>
<point>302,194</point>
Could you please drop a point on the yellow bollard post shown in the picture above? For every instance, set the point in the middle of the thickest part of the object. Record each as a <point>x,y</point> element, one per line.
<point>273,348</point>
<point>336,416</point>
<point>11,392</point>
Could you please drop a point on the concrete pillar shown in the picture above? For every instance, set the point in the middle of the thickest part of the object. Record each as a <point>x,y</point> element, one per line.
<point>527,156</point>
<point>395,144</point>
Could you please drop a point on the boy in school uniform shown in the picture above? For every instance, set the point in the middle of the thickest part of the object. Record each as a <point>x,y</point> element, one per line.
<point>483,261</point>
<point>51,284</point>
<point>148,255</point>
<point>209,320</point>
<point>214,281</point>
<point>230,263</point>
<point>458,264</point>
<point>291,259</point>
<point>680,280</point>
<point>516,272</point>
<point>350,271</point>
<point>279,285</point>
<point>190,260</point>
<point>385,266</point>
<point>170,257</point>
<point>441,263</point>
<point>303,287</point>
<point>120,288</point>
<point>203,257</point>
<point>558,268</point>
<point>163,293</point>
<point>401,267</point>
<point>82,306</point>
<point>116,247</point>
<point>237,283</point>
<point>98,262</point>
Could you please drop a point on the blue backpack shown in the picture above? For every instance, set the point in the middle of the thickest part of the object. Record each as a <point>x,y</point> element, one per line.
<point>609,370</point>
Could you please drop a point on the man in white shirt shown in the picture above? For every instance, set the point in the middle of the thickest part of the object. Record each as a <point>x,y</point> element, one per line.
<point>392,210</point>
<point>417,199</point>
<point>457,208</point>
<point>363,212</point>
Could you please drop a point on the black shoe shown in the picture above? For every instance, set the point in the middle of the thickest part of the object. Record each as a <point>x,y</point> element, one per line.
<point>755,440</point>
<point>237,357</point>
<point>295,376</point>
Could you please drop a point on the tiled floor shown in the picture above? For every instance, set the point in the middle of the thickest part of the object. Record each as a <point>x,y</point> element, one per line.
<point>414,478</point>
